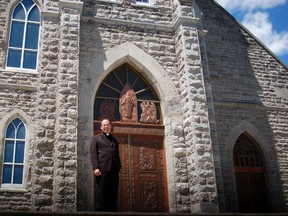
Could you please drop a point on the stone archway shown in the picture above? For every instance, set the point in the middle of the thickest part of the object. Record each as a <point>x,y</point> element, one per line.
<point>129,101</point>
<point>169,99</point>
<point>273,178</point>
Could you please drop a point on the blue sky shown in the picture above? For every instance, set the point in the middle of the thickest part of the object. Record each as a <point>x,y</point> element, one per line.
<point>266,19</point>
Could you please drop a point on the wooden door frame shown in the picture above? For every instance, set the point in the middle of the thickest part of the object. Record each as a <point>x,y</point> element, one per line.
<point>132,128</point>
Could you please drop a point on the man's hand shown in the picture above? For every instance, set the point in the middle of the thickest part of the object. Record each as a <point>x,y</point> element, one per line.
<point>97,172</point>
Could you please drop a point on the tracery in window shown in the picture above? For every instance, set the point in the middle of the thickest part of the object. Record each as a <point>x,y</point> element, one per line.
<point>126,96</point>
<point>250,176</point>
<point>246,153</point>
<point>13,154</point>
<point>24,36</point>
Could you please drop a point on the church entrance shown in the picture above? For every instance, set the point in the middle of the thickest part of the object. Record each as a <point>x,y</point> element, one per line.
<point>250,176</point>
<point>142,184</point>
<point>130,102</point>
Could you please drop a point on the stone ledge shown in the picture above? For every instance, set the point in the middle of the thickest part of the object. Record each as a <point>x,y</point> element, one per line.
<point>17,86</point>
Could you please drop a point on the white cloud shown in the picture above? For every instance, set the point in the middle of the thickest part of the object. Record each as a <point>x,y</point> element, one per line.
<point>256,20</point>
<point>250,4</point>
<point>259,24</point>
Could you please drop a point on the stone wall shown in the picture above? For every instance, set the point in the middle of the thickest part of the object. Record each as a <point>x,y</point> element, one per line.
<point>15,101</point>
<point>106,25</point>
<point>199,154</point>
<point>46,100</point>
<point>99,34</point>
<point>213,78</point>
<point>55,188</point>
<point>249,86</point>
<point>18,96</point>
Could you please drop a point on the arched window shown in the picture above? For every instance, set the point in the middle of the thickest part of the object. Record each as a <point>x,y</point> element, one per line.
<point>246,155</point>
<point>142,1</point>
<point>126,96</point>
<point>13,154</point>
<point>24,36</point>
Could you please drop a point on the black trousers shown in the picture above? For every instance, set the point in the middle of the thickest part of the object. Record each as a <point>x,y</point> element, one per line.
<point>107,191</point>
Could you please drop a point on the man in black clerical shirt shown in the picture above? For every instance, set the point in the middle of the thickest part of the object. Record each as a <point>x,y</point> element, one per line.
<point>106,165</point>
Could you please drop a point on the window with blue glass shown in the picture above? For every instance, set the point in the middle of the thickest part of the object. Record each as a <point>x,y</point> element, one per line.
<point>13,158</point>
<point>142,1</point>
<point>24,36</point>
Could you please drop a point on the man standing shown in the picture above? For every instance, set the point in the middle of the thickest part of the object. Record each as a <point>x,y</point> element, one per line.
<point>106,165</point>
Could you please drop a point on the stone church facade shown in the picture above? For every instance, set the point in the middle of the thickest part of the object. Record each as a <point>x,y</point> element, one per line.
<point>214,135</point>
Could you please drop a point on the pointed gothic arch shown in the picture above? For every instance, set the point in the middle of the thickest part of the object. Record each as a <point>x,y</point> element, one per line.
<point>145,64</point>
<point>29,131</point>
<point>13,114</point>
<point>130,102</point>
<point>24,35</point>
<point>126,96</point>
<point>250,176</point>
<point>169,100</point>
<point>269,160</point>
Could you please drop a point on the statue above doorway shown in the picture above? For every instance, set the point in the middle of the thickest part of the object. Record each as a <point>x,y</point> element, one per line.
<point>149,113</point>
<point>126,96</point>
<point>128,104</point>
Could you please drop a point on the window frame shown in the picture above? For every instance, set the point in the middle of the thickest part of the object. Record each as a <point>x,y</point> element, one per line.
<point>143,3</point>
<point>111,91</point>
<point>24,163</point>
<point>22,48</point>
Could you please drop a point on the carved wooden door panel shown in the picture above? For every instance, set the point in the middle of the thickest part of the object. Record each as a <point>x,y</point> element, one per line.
<point>124,198</point>
<point>142,186</point>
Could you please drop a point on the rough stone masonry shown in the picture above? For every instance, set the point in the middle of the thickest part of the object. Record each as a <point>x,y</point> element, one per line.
<point>214,79</point>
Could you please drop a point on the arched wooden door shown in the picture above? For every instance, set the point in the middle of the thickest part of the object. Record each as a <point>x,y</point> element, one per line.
<point>250,176</point>
<point>129,101</point>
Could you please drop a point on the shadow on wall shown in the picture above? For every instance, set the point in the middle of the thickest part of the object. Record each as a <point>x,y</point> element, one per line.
<point>241,73</point>
<point>90,45</point>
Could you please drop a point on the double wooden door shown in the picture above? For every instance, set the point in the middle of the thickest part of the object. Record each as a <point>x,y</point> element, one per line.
<point>142,184</point>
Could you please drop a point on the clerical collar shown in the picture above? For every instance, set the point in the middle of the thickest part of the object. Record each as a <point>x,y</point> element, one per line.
<point>107,134</point>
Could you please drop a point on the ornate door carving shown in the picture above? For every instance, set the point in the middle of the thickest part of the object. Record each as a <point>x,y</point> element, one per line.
<point>142,185</point>
<point>127,98</point>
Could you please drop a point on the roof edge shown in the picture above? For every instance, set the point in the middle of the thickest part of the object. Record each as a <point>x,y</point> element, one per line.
<point>250,34</point>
